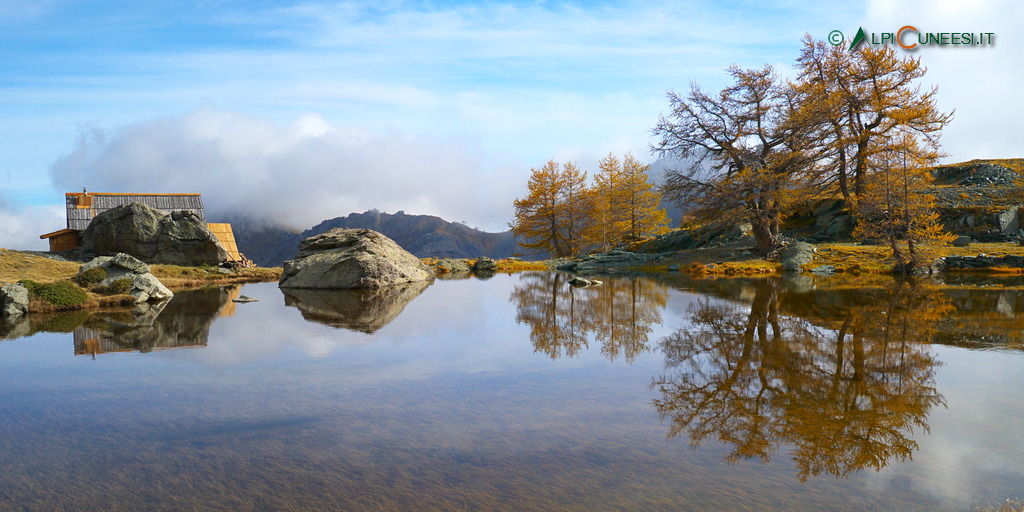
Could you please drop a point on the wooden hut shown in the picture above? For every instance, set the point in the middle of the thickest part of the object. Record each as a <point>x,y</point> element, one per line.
<point>83,206</point>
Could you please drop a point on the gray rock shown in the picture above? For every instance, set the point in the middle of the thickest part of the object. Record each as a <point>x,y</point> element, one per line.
<point>673,268</point>
<point>145,286</point>
<point>351,258</point>
<point>1008,220</point>
<point>13,300</point>
<point>567,266</point>
<point>485,265</point>
<point>962,241</point>
<point>155,236</point>
<point>452,266</point>
<point>579,282</point>
<point>129,263</point>
<point>244,299</point>
<point>796,255</point>
<point>840,226</point>
<point>824,270</point>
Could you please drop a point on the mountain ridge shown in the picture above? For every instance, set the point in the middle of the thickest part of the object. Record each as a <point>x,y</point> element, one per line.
<point>425,236</point>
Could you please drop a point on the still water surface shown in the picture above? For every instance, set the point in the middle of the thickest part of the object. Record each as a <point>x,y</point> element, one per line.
<point>521,393</point>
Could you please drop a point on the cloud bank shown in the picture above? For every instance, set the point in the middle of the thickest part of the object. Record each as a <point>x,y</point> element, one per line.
<point>297,174</point>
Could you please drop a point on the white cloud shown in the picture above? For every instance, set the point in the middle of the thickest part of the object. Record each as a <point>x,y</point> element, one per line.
<point>20,227</point>
<point>300,174</point>
<point>980,82</point>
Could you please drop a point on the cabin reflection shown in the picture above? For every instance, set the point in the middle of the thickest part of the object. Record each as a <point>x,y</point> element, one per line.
<point>182,322</point>
<point>563,320</point>
<point>364,310</point>
<point>844,387</point>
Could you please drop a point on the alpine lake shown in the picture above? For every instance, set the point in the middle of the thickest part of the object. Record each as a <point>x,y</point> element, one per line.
<point>518,392</point>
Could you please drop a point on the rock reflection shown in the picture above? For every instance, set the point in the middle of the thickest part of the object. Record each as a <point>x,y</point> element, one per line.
<point>183,321</point>
<point>845,390</point>
<point>363,310</point>
<point>618,315</point>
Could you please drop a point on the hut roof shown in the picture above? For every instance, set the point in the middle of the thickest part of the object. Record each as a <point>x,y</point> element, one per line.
<point>82,206</point>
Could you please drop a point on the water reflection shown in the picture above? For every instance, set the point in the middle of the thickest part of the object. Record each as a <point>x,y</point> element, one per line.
<point>183,321</point>
<point>618,315</point>
<point>845,389</point>
<point>364,310</point>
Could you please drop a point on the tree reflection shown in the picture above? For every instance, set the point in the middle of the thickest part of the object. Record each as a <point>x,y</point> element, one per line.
<point>618,315</point>
<point>845,392</point>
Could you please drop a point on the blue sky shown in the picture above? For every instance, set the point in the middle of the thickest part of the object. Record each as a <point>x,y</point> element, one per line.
<point>316,109</point>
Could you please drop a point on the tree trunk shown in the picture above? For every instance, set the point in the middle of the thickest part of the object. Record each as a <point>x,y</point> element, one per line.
<point>766,233</point>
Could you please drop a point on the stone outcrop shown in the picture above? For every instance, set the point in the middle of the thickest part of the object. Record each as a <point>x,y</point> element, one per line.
<point>452,266</point>
<point>351,258</point>
<point>154,236</point>
<point>613,261</point>
<point>982,261</point>
<point>485,266</point>
<point>144,285</point>
<point>796,255</point>
<point>13,300</point>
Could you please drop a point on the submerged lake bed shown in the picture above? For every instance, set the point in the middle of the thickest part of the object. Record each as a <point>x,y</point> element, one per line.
<point>521,393</point>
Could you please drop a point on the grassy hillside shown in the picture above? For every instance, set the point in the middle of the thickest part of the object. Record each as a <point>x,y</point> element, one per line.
<point>17,265</point>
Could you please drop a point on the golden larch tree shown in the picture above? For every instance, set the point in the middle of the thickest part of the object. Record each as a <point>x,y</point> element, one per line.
<point>553,214</point>
<point>895,205</point>
<point>641,211</point>
<point>607,220</point>
<point>862,99</point>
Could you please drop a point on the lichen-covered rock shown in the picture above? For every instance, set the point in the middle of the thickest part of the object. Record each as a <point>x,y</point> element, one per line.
<point>144,285</point>
<point>452,266</point>
<point>796,255</point>
<point>351,258</point>
<point>485,265</point>
<point>13,300</point>
<point>154,236</point>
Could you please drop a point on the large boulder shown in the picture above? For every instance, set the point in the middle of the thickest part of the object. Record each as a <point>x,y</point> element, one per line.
<point>144,285</point>
<point>154,236</point>
<point>13,300</point>
<point>342,259</point>
<point>796,255</point>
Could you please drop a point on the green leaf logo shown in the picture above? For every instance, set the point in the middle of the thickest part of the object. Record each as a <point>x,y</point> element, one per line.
<point>857,39</point>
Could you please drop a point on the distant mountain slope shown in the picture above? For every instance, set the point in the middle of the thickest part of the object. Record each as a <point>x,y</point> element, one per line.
<point>423,235</point>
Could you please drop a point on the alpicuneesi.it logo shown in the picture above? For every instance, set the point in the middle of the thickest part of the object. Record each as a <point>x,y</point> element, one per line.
<point>909,37</point>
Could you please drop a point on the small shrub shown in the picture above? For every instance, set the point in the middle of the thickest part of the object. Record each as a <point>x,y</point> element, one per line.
<point>59,293</point>
<point>698,269</point>
<point>118,287</point>
<point>30,285</point>
<point>90,277</point>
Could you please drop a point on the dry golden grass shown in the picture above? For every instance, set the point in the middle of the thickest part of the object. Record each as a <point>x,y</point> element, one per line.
<point>511,265</point>
<point>504,265</point>
<point>16,265</point>
<point>177,277</point>
<point>848,258</point>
